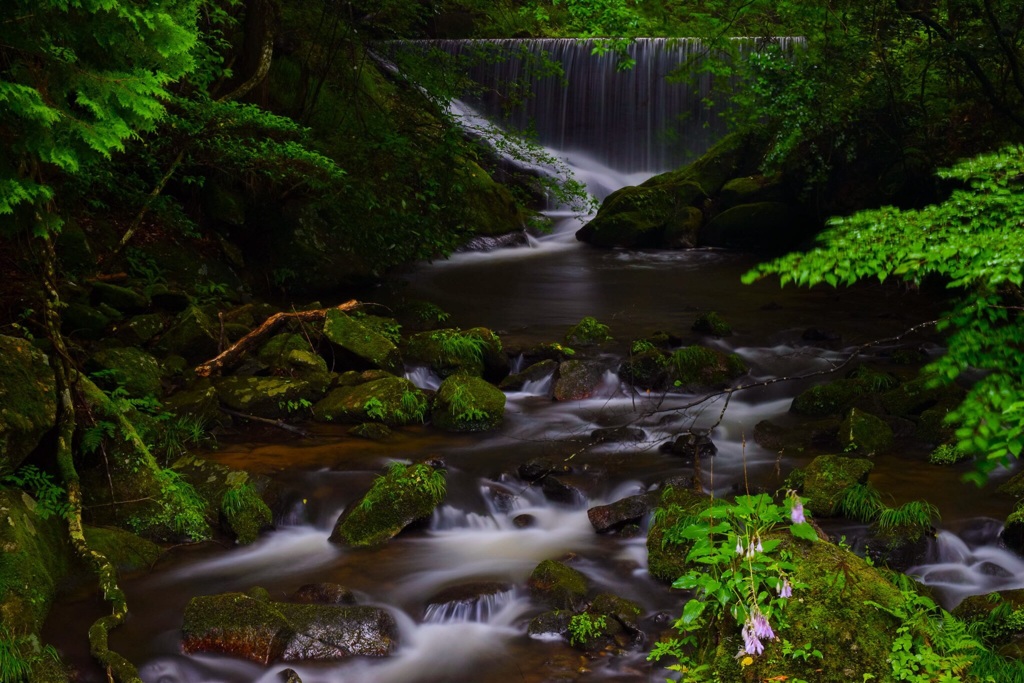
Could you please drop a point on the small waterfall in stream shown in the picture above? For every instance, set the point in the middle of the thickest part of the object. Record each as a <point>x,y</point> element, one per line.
<point>630,120</point>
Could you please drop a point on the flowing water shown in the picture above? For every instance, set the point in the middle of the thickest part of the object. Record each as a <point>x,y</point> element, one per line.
<point>531,295</point>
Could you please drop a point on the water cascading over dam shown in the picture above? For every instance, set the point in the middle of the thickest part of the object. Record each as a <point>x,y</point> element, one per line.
<point>649,118</point>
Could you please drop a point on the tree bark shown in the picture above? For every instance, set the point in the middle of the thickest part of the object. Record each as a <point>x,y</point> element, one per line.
<point>234,353</point>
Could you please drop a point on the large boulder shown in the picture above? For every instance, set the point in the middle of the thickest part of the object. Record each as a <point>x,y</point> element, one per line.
<point>698,368</point>
<point>270,397</point>
<point>476,351</point>
<point>136,371</point>
<point>28,400</point>
<point>406,494</point>
<point>234,499</point>
<point>252,627</point>
<point>360,344</point>
<point>831,398</point>
<point>827,478</point>
<point>758,226</point>
<point>34,558</point>
<point>614,516</point>
<point>390,400</point>
<point>192,335</point>
<point>864,433</point>
<point>666,560</point>
<point>467,404</point>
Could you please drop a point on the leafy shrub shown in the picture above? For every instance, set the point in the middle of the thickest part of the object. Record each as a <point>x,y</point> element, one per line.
<point>587,331</point>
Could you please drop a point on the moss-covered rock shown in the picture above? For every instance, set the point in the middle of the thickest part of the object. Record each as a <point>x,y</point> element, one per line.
<point>192,335</point>
<point>828,476</point>
<point>140,329</point>
<point>490,207</point>
<point>83,321</point>
<point>646,370</point>
<point>290,354</point>
<point>577,380</point>
<point>919,395</point>
<point>126,551</point>
<point>835,616</point>
<point>751,189</point>
<point>241,625</point>
<point>535,373</point>
<point>608,620</point>
<point>647,217</point>
<point>760,226</point>
<point>810,436</point>
<point>270,397</point>
<point>136,371</point>
<point>711,323</point>
<point>666,560</point>
<point>863,432</point>
<point>236,501</point>
<point>477,351</point>
<point>198,401</point>
<point>392,401</point>
<point>361,343</point>
<point>467,404</point>
<point>558,585</point>
<point>406,494</point>
<point>34,558</point>
<point>123,299</point>
<point>698,368</point>
<point>1013,529</point>
<point>28,400</point>
<point>832,398</point>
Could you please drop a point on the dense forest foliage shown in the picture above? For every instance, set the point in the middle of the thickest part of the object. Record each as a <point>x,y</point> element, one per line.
<point>239,146</point>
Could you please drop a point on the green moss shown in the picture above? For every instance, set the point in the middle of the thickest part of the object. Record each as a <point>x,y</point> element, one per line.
<point>467,404</point>
<point>28,400</point>
<point>666,561</point>
<point>271,397</point>
<point>233,499</point>
<point>133,369</point>
<point>827,478</point>
<point>558,585</point>
<point>864,433</point>
<point>393,401</point>
<point>648,217</point>
<point>647,370</point>
<point>126,551</point>
<point>477,351</point>
<point>405,494</point>
<point>697,367</point>
<point>711,323</point>
<point>832,398</point>
<point>362,341</point>
<point>34,557</point>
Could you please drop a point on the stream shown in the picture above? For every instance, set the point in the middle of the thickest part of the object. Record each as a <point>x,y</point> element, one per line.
<point>531,295</point>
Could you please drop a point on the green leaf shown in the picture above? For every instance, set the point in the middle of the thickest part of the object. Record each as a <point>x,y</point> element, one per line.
<point>804,531</point>
<point>692,611</point>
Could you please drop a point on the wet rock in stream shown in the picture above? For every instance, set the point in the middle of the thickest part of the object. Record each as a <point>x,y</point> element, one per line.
<point>622,513</point>
<point>250,626</point>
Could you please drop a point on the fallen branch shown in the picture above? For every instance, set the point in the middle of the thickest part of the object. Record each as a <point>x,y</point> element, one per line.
<point>280,424</point>
<point>234,353</point>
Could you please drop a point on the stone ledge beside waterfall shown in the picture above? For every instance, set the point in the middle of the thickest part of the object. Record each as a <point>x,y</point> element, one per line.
<point>720,200</point>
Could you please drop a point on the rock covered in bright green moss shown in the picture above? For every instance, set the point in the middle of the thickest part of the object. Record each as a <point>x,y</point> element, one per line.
<point>251,627</point>
<point>235,499</point>
<point>139,373</point>
<point>467,404</point>
<point>698,368</point>
<point>28,400</point>
<point>609,620</point>
<point>477,351</point>
<point>828,476</point>
<point>290,353</point>
<point>389,400</point>
<point>197,401</point>
<point>270,397</point>
<point>666,559</point>
<point>558,585</point>
<point>854,637</point>
<point>362,342</point>
<point>640,217</point>
<point>404,495</point>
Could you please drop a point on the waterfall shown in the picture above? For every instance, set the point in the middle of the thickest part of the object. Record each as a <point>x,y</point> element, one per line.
<point>632,120</point>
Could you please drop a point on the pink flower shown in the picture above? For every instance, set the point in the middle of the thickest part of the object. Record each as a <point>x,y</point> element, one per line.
<point>786,589</point>
<point>796,513</point>
<point>761,627</point>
